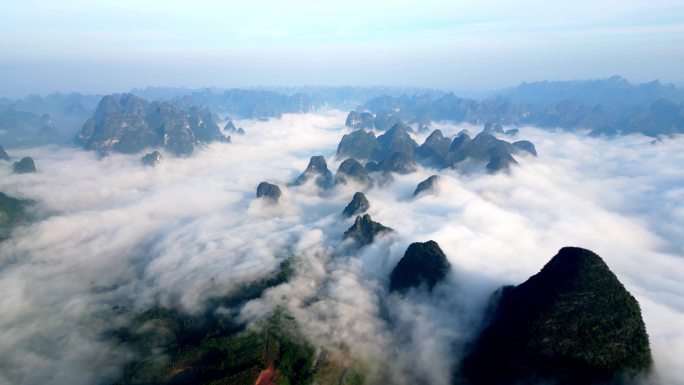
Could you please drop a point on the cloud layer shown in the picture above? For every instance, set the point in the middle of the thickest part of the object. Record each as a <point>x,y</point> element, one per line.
<point>119,233</point>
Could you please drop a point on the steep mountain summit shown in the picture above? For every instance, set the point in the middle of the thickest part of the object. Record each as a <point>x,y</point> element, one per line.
<point>352,171</point>
<point>24,166</point>
<point>571,323</point>
<point>423,263</point>
<point>426,186</point>
<point>318,171</point>
<point>364,230</point>
<point>269,192</point>
<point>358,144</point>
<point>127,123</point>
<point>358,205</point>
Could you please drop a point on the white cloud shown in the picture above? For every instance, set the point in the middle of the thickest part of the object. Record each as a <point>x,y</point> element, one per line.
<point>120,233</point>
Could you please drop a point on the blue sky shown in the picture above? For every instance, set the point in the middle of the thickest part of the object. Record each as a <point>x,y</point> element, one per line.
<point>107,46</point>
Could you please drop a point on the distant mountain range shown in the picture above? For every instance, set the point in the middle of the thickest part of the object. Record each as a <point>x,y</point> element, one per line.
<point>604,106</point>
<point>615,90</point>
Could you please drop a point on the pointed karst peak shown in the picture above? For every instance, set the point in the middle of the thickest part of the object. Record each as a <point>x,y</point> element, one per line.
<point>358,144</point>
<point>318,170</point>
<point>268,191</point>
<point>435,148</point>
<point>364,230</point>
<point>571,323</point>
<point>24,166</point>
<point>423,263</point>
<point>427,186</point>
<point>358,205</point>
<point>352,171</point>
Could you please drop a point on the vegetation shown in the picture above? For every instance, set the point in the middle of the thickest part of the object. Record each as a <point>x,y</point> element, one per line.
<point>175,348</point>
<point>572,323</point>
<point>422,264</point>
<point>12,213</point>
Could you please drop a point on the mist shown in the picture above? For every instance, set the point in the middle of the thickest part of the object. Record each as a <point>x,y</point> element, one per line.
<point>114,233</point>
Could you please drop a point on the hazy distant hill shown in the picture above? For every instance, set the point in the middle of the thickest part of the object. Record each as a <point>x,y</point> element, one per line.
<point>608,106</point>
<point>614,90</point>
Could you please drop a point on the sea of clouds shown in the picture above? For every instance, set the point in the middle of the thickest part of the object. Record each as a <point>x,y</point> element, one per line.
<point>112,232</point>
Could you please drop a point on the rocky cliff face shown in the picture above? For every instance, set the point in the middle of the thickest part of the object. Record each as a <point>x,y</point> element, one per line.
<point>352,171</point>
<point>571,323</point>
<point>268,191</point>
<point>395,151</point>
<point>358,144</point>
<point>364,230</point>
<point>129,124</point>
<point>358,205</point>
<point>427,186</point>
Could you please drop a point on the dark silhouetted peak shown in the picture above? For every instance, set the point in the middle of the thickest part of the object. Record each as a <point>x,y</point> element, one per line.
<point>24,166</point>
<point>3,154</point>
<point>240,131</point>
<point>358,205</point>
<point>483,144</point>
<point>459,143</point>
<point>426,186</point>
<point>484,148</point>
<point>268,191</point>
<point>571,323</point>
<point>352,171</point>
<point>358,144</point>
<point>372,167</point>
<point>152,159</point>
<point>396,139</point>
<point>435,148</point>
<point>500,162</point>
<point>364,230</point>
<point>512,132</point>
<point>424,263</point>
<point>399,162</point>
<point>525,146</point>
<point>362,120</point>
<point>318,171</point>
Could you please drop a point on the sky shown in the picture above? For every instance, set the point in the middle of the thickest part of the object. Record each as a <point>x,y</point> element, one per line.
<point>112,46</point>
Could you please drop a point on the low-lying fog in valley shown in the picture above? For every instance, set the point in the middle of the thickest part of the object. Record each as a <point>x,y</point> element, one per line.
<point>113,233</point>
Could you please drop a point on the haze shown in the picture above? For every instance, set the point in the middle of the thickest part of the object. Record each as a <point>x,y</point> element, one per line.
<point>105,46</point>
